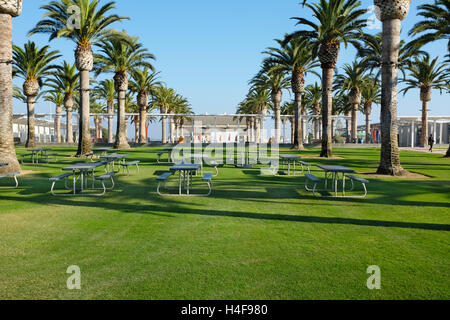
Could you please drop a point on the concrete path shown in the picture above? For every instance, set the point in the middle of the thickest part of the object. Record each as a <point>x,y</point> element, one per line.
<point>438,151</point>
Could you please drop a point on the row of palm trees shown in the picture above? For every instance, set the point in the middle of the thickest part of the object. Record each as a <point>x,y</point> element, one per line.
<point>69,85</point>
<point>338,23</point>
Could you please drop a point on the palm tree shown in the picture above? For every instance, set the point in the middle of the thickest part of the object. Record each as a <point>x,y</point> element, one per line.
<point>56,97</point>
<point>182,108</point>
<point>105,91</point>
<point>96,108</point>
<point>162,97</point>
<point>353,81</point>
<point>371,94</point>
<point>273,78</point>
<point>258,102</point>
<point>143,83</point>
<point>426,75</point>
<point>295,56</point>
<point>8,10</point>
<point>67,80</point>
<point>370,53</point>
<point>32,64</point>
<point>436,23</point>
<point>437,19</point>
<point>121,54</point>
<point>313,102</point>
<point>92,26</point>
<point>338,21</point>
<point>392,12</point>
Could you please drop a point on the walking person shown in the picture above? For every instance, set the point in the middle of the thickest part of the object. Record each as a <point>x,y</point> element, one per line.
<point>431,142</point>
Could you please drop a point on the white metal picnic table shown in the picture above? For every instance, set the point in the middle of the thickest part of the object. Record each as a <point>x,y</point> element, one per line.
<point>83,169</point>
<point>335,170</point>
<point>112,158</point>
<point>186,170</point>
<point>38,152</point>
<point>290,158</point>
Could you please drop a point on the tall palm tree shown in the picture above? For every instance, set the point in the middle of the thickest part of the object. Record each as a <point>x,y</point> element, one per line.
<point>258,102</point>
<point>371,94</point>
<point>436,24</point>
<point>121,54</point>
<point>338,21</point>
<point>67,80</point>
<point>313,102</point>
<point>105,91</point>
<point>57,98</point>
<point>96,108</point>
<point>33,64</point>
<point>295,56</point>
<point>426,75</point>
<point>370,53</point>
<point>391,13</point>
<point>8,10</point>
<point>273,78</point>
<point>162,97</point>
<point>183,109</point>
<point>353,81</point>
<point>143,82</point>
<point>93,23</point>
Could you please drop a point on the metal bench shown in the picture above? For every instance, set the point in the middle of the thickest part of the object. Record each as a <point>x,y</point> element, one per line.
<point>315,180</point>
<point>127,165</point>
<point>162,179</point>
<point>10,175</point>
<point>159,157</point>
<point>215,164</point>
<point>360,180</point>
<point>54,180</point>
<point>305,164</point>
<point>103,178</point>
<point>208,179</point>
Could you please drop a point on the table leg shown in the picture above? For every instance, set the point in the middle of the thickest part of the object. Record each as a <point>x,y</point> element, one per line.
<point>82,181</point>
<point>326,180</point>
<point>336,178</point>
<point>179,182</point>
<point>188,178</point>
<point>343,184</point>
<point>74,183</point>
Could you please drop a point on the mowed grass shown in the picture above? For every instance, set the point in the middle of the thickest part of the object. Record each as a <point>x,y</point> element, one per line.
<point>256,237</point>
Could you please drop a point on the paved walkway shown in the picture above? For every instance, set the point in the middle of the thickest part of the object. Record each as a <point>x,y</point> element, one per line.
<point>438,151</point>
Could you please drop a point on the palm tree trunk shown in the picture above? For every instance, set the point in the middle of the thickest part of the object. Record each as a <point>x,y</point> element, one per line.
<point>58,124</point>
<point>121,137</point>
<point>84,141</point>
<point>447,155</point>
<point>30,120</point>
<point>390,157</point>
<point>7,150</point>
<point>298,125</point>
<point>354,123</point>
<point>136,129</point>
<point>172,129</point>
<point>327,104</point>
<point>142,120</point>
<point>368,131</point>
<point>164,129</point>
<point>110,121</point>
<point>424,134</point>
<point>69,125</point>
<point>262,130</point>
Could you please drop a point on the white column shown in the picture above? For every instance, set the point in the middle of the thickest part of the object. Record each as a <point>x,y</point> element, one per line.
<point>412,134</point>
<point>435,131</point>
<point>441,125</point>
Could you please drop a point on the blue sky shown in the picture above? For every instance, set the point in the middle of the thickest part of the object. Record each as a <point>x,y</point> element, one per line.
<point>208,50</point>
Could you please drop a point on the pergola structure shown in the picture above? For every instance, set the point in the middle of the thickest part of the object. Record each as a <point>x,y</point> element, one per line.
<point>411,124</point>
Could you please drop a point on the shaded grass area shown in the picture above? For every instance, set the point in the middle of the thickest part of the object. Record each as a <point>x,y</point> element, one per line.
<point>256,237</point>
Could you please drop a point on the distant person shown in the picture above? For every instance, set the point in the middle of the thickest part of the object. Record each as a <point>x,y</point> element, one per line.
<point>431,142</point>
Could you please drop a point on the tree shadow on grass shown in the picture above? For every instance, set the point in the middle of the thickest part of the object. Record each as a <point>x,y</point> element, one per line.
<point>160,207</point>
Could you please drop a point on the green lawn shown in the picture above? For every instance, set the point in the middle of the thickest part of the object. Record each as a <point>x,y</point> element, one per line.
<point>256,237</point>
